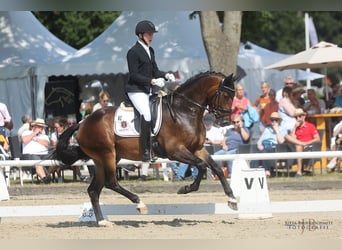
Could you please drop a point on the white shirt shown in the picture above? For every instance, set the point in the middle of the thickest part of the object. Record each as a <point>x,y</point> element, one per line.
<point>214,134</point>
<point>98,106</point>
<point>23,128</point>
<point>147,49</point>
<point>33,147</point>
<point>4,115</point>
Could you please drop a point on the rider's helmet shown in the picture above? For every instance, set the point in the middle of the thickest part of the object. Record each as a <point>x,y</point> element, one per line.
<point>145,27</point>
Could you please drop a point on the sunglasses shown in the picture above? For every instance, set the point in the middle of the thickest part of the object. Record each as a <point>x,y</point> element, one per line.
<point>236,122</point>
<point>299,116</point>
<point>274,120</point>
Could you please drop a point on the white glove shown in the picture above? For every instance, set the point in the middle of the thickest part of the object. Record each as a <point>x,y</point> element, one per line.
<point>171,77</point>
<point>160,82</point>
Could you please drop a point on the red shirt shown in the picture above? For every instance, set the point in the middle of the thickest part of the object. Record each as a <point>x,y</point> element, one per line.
<point>306,132</point>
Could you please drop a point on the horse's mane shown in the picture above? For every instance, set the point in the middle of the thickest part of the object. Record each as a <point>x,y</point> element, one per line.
<point>198,76</point>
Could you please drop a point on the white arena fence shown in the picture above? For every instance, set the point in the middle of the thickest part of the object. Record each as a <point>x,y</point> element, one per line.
<point>250,156</point>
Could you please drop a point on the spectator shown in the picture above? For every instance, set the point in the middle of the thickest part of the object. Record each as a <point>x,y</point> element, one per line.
<point>287,109</point>
<point>288,82</point>
<point>59,126</point>
<point>240,102</point>
<point>4,143</point>
<point>234,137</point>
<point>26,120</point>
<point>270,107</point>
<point>273,134</point>
<point>5,120</point>
<point>338,97</point>
<point>313,105</point>
<point>264,98</point>
<point>104,100</point>
<point>35,147</point>
<point>336,143</point>
<point>302,136</point>
<point>297,99</point>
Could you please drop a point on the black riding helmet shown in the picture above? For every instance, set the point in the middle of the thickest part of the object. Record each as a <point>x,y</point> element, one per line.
<point>145,27</point>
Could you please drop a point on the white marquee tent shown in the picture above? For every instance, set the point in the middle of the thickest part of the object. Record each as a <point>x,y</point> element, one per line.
<point>25,44</point>
<point>29,54</point>
<point>178,46</point>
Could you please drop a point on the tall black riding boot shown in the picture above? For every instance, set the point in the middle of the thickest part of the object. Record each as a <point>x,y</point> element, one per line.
<point>145,140</point>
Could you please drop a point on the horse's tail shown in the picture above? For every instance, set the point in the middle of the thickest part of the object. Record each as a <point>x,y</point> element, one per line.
<point>66,153</point>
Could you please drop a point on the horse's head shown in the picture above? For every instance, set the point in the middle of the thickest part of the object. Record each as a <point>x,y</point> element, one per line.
<point>221,103</point>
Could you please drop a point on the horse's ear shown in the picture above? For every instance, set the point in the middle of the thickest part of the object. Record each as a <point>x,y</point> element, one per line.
<point>228,83</point>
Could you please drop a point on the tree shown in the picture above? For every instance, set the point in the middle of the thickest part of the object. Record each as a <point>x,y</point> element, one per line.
<point>221,42</point>
<point>76,28</point>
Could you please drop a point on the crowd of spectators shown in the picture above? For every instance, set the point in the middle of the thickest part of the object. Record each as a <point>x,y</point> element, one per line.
<point>282,119</point>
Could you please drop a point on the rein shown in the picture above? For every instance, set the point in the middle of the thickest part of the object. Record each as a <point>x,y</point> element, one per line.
<point>216,100</point>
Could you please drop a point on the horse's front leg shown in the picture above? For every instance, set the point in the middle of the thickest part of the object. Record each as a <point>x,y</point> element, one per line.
<point>201,165</point>
<point>232,203</point>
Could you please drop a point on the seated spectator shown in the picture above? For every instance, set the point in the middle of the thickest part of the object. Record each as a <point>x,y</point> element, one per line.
<point>240,102</point>
<point>26,120</point>
<point>313,105</point>
<point>272,135</point>
<point>336,143</point>
<point>302,136</point>
<point>6,123</point>
<point>269,108</point>
<point>234,137</point>
<point>288,82</point>
<point>35,147</point>
<point>287,109</point>
<point>59,126</point>
<point>264,98</point>
<point>4,142</point>
<point>297,99</point>
<point>104,101</point>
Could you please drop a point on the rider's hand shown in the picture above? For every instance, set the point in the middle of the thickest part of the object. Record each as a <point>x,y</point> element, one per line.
<point>160,82</point>
<point>171,77</point>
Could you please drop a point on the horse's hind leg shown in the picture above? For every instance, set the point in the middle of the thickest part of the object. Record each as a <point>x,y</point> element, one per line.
<point>111,182</point>
<point>94,191</point>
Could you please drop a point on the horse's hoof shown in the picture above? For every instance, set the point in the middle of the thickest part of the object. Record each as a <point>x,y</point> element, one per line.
<point>184,190</point>
<point>141,207</point>
<point>105,223</point>
<point>232,203</point>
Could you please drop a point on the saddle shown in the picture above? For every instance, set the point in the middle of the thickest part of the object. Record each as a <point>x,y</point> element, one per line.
<point>127,118</point>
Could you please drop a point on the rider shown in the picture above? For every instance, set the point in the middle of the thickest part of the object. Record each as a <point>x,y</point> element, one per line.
<point>143,73</point>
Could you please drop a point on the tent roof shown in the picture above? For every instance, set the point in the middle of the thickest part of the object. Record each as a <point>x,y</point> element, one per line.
<point>178,46</point>
<point>25,42</point>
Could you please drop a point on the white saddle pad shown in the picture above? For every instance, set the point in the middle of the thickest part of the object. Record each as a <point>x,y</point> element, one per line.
<point>124,122</point>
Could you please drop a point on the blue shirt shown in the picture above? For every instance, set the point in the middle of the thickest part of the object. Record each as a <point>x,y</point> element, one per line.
<point>234,138</point>
<point>270,135</point>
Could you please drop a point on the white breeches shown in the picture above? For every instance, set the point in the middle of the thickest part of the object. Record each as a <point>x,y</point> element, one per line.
<point>140,101</point>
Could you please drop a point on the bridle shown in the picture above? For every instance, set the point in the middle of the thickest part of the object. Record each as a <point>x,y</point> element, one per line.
<point>224,87</point>
<point>216,107</point>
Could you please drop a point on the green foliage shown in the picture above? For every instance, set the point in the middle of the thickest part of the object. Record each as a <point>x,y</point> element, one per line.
<point>76,28</point>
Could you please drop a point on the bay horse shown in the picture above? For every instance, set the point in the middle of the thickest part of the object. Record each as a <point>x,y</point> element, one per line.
<point>180,138</point>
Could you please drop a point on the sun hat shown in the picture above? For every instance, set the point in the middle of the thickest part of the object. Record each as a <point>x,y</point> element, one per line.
<point>275,115</point>
<point>299,112</point>
<point>39,122</point>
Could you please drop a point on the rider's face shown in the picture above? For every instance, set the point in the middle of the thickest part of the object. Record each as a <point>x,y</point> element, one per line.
<point>148,37</point>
